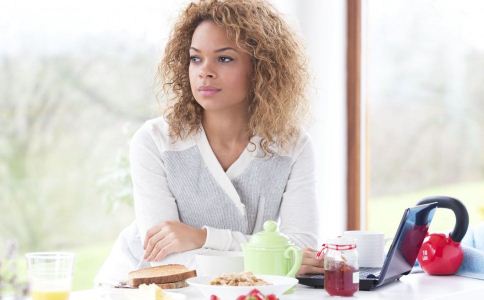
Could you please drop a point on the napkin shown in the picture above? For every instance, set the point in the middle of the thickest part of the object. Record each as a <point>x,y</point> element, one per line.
<point>473,247</point>
<point>475,237</point>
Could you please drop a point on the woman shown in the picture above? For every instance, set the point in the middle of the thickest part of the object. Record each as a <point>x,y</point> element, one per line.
<point>230,152</point>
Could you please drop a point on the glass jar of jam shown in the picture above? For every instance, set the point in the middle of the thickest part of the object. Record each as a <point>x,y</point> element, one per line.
<point>341,276</point>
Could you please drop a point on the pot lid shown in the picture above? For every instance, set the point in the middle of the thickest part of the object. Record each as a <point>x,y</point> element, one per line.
<point>270,237</point>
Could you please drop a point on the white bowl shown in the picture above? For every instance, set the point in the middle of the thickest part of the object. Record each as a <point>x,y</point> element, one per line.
<point>279,285</point>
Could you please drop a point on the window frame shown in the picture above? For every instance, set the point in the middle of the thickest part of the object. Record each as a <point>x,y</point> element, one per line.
<point>355,182</point>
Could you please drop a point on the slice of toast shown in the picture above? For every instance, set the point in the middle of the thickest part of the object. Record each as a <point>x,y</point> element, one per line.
<point>173,285</point>
<point>160,275</point>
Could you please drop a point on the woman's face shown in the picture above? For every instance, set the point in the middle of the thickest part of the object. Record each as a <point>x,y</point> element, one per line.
<point>219,70</point>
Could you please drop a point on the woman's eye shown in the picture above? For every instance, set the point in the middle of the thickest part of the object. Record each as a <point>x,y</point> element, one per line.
<point>194,58</point>
<point>225,59</point>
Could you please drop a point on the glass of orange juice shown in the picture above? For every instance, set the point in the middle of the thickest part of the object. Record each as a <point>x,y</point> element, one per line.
<point>50,275</point>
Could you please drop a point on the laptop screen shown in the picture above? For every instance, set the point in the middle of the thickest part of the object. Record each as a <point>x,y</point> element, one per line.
<point>406,244</point>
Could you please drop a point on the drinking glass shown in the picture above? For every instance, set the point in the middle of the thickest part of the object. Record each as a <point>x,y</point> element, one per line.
<point>50,275</point>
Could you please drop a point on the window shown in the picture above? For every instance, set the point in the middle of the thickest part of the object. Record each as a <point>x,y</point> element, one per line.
<point>76,80</point>
<point>425,103</point>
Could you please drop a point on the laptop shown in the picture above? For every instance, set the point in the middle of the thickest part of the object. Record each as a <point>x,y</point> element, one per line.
<point>402,253</point>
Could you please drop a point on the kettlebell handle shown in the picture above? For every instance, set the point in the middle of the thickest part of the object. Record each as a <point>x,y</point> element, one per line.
<point>460,211</point>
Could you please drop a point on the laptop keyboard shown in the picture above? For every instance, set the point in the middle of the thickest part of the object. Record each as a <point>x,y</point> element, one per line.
<point>369,277</point>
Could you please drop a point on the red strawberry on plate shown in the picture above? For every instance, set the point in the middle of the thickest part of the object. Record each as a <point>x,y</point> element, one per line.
<point>271,297</point>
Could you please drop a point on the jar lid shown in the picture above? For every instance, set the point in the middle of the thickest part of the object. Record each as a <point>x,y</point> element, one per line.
<point>270,237</point>
<point>341,241</point>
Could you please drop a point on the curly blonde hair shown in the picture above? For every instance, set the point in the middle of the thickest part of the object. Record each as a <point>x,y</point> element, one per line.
<point>278,103</point>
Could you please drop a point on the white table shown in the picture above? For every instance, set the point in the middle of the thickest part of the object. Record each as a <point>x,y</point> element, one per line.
<point>414,286</point>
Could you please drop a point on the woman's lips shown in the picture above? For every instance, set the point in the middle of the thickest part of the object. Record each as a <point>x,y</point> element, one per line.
<point>208,90</point>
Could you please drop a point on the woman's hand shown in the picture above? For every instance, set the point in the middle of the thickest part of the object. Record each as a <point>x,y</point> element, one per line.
<point>172,237</point>
<point>310,263</point>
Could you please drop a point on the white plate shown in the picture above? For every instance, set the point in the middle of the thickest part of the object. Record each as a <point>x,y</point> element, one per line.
<point>132,294</point>
<point>279,285</point>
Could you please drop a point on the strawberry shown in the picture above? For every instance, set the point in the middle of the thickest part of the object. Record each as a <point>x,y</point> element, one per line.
<point>214,297</point>
<point>242,297</point>
<point>271,297</point>
<point>256,294</point>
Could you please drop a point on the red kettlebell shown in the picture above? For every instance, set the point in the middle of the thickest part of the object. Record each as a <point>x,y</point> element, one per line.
<point>441,254</point>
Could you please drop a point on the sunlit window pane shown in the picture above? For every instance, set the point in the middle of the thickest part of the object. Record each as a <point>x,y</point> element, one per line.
<point>76,80</point>
<point>425,75</point>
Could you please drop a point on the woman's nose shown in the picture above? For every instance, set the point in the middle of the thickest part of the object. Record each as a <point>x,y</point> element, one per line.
<point>204,74</point>
<point>207,72</point>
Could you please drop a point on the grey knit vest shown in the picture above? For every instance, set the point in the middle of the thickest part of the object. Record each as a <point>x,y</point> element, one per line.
<point>202,202</point>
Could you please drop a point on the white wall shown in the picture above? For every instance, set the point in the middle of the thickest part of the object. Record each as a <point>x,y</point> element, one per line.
<point>322,25</point>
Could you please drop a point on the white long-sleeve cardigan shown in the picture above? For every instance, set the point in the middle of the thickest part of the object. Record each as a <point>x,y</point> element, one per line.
<point>183,180</point>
